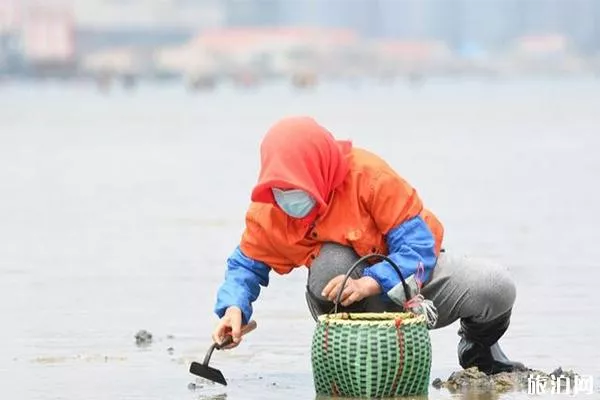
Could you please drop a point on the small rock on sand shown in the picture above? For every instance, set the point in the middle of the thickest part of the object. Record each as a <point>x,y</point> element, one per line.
<point>143,338</point>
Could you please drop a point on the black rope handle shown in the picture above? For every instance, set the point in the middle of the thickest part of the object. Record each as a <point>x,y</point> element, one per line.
<point>357,263</point>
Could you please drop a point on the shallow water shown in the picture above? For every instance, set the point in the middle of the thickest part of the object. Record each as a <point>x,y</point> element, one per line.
<point>118,211</point>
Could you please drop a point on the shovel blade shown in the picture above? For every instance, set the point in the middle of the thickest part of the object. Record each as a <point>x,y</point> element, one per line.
<point>206,372</point>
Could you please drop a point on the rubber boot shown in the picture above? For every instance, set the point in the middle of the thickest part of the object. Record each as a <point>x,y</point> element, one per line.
<point>478,346</point>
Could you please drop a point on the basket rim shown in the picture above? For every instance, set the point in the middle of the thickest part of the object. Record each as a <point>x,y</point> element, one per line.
<point>371,318</point>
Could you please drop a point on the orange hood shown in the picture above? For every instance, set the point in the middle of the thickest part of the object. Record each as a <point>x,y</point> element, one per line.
<point>298,153</point>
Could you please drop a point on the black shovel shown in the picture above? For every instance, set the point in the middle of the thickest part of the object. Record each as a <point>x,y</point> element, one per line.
<point>212,374</point>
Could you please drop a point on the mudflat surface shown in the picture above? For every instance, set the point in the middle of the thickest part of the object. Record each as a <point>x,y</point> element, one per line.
<point>118,212</point>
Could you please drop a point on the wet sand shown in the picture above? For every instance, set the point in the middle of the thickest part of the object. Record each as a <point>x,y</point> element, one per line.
<point>118,212</point>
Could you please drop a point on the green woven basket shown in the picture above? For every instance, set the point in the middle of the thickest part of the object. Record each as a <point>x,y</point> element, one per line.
<point>371,354</point>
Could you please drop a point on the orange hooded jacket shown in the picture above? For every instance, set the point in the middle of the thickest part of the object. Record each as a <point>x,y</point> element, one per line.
<point>360,198</point>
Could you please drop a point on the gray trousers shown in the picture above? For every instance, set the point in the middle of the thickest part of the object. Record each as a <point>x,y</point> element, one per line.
<point>460,286</point>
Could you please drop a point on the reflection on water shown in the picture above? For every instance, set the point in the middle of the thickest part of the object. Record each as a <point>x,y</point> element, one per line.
<point>476,395</point>
<point>221,396</point>
<point>118,212</point>
<point>320,397</point>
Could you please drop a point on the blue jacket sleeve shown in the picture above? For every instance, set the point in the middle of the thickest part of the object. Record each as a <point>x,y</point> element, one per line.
<point>243,279</point>
<point>409,244</point>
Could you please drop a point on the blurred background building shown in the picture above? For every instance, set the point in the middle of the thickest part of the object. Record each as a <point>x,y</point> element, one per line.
<point>38,35</point>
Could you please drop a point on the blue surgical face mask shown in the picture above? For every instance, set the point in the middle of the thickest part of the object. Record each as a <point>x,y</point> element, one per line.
<point>295,203</point>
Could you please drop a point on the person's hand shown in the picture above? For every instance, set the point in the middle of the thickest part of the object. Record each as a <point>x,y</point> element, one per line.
<point>354,289</point>
<point>230,324</point>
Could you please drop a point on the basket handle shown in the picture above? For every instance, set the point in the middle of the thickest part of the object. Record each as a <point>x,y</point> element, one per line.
<point>357,263</point>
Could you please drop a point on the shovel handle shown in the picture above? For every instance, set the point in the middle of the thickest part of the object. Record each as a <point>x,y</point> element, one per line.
<point>249,327</point>
<point>245,329</point>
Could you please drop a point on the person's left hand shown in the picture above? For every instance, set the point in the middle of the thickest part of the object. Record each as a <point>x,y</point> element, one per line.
<point>354,289</point>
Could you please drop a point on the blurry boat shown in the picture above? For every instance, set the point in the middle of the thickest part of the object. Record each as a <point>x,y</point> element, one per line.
<point>191,63</point>
<point>125,65</point>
